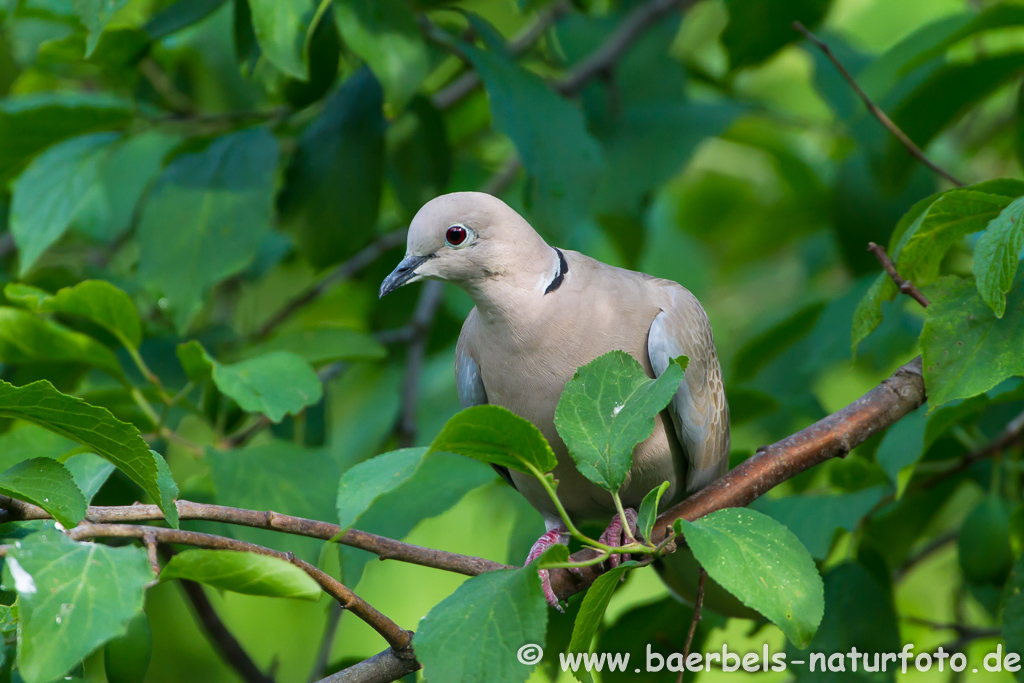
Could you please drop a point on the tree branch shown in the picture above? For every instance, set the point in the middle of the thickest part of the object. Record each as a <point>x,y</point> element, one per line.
<point>905,286</point>
<point>398,638</point>
<point>469,81</point>
<point>384,548</point>
<point>874,109</point>
<point>381,668</point>
<point>603,59</point>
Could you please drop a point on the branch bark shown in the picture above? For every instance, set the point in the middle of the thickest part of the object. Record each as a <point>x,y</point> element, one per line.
<point>398,638</point>
<point>382,547</point>
<point>905,286</point>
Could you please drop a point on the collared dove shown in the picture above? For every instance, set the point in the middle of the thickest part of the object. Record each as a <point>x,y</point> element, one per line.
<point>541,313</point>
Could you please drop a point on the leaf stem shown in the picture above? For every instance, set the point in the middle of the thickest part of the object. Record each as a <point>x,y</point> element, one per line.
<point>622,516</point>
<point>576,533</point>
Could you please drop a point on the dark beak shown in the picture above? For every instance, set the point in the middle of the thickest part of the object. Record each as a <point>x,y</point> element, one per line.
<point>405,271</point>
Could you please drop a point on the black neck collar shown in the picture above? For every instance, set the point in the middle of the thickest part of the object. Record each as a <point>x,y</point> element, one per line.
<point>563,268</point>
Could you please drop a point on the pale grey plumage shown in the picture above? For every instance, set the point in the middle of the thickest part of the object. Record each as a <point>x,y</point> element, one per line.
<point>522,343</point>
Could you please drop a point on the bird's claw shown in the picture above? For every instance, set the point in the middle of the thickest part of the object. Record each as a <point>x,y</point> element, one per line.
<point>555,536</point>
<point>615,536</point>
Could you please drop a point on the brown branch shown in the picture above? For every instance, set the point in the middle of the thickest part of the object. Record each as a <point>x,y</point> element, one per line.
<point>343,271</point>
<point>469,81</point>
<point>381,668</point>
<point>398,638</point>
<point>905,286</point>
<point>603,59</point>
<point>835,435</point>
<point>874,109</point>
<point>220,636</point>
<point>382,547</point>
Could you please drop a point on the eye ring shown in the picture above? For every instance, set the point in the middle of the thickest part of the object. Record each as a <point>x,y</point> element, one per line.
<point>458,236</point>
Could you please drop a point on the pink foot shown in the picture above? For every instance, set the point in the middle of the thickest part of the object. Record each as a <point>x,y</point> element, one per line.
<point>556,535</point>
<point>615,536</point>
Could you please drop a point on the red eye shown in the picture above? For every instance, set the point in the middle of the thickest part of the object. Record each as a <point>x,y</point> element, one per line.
<point>456,235</point>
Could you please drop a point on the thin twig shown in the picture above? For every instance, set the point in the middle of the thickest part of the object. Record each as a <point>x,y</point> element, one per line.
<point>602,60</point>
<point>1011,435</point>
<point>874,109</point>
<point>382,547</point>
<point>343,271</point>
<point>962,630</point>
<point>326,642</point>
<point>149,540</point>
<point>469,81</point>
<point>223,641</point>
<point>398,638</point>
<point>933,546</point>
<point>905,286</point>
<point>698,605</point>
<point>165,87</point>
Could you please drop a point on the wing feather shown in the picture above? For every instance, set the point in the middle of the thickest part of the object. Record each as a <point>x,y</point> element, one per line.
<point>699,411</point>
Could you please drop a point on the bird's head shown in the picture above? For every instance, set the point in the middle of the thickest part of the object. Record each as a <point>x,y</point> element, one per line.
<point>465,238</point>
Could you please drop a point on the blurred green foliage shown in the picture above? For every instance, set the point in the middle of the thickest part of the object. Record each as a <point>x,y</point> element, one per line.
<point>200,199</point>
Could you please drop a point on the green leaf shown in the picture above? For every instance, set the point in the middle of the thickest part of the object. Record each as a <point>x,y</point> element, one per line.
<point>814,519</point>
<point>91,184</point>
<point>277,476</point>
<point>385,35</point>
<point>93,427</point>
<point>73,597</point>
<point>607,408</point>
<point>206,217</point>
<point>419,155</point>
<point>95,15</point>
<point>550,136</point>
<point>364,483</point>
<point>52,190</point>
<point>324,344</point>
<point>498,436</point>
<point>757,29</point>
<point>31,123</point>
<point>102,303</point>
<point>275,384</point>
<point>126,659</point>
<point>591,613</point>
<point>89,470</point>
<point>858,614</point>
<point>760,350</point>
<point>966,349</point>
<point>763,564</point>
<point>281,29</point>
<point>1013,609</point>
<point>868,315</point>
<point>440,482</point>
<point>997,255</point>
<point>649,510</point>
<point>181,14</point>
<point>26,296</point>
<point>27,338</point>
<point>336,175</point>
<point>48,484</point>
<point>983,546</point>
<point>903,444</point>
<point>475,633</point>
<point>950,218</point>
<point>242,572</point>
